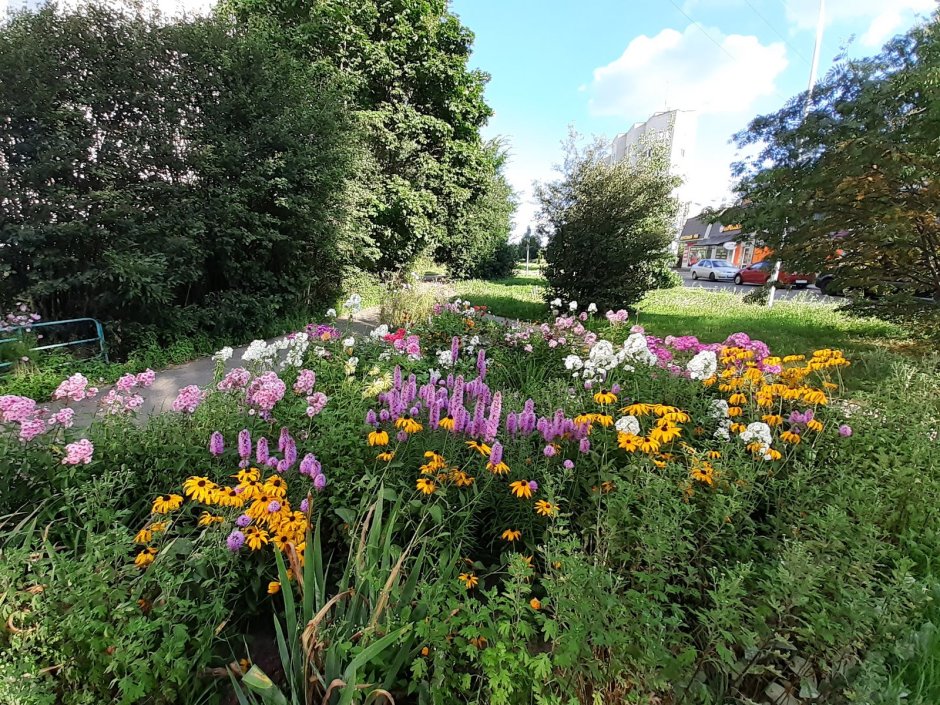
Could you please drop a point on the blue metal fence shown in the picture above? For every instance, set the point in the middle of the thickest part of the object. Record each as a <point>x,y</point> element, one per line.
<point>20,333</point>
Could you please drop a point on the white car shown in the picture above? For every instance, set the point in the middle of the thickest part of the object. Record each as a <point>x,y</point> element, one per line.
<point>714,269</point>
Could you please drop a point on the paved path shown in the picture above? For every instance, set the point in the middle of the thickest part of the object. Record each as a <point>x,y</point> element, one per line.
<point>170,381</point>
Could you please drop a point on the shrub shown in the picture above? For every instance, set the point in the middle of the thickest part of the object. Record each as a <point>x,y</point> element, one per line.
<point>611,224</point>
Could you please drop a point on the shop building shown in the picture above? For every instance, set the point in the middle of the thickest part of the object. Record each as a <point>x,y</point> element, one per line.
<point>700,240</point>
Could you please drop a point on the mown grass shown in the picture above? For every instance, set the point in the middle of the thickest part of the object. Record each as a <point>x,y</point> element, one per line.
<point>517,297</point>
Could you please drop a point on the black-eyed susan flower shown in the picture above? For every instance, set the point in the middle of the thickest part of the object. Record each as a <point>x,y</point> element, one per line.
<point>158,526</point>
<point>255,537</point>
<point>774,454</point>
<point>447,423</point>
<point>282,541</point>
<point>378,438</point>
<point>145,557</point>
<point>638,409</point>
<point>275,486</point>
<point>408,424</point>
<point>772,419</point>
<point>665,434</point>
<point>790,437</point>
<point>703,473</point>
<point>535,604</point>
<point>814,425</point>
<point>628,441</point>
<point>165,504</point>
<point>251,489</point>
<point>737,399</point>
<point>511,535</point>
<point>735,411</point>
<point>469,580</point>
<point>460,478</point>
<point>605,397</point>
<point>199,489</point>
<point>207,519</point>
<point>649,445</point>
<point>545,508</point>
<point>386,457</point>
<point>713,454</point>
<point>145,535</point>
<point>426,485</point>
<point>246,474</point>
<point>274,587</point>
<point>480,448</point>
<point>814,396</point>
<point>229,497</point>
<point>521,489</point>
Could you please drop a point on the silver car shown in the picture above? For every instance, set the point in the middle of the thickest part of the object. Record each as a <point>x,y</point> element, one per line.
<point>714,270</point>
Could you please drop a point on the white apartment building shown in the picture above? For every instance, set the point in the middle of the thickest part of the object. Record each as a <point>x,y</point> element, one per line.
<point>674,128</point>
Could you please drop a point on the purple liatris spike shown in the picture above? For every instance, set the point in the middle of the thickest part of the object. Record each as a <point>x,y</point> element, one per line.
<point>414,411</point>
<point>584,445</point>
<point>478,419</point>
<point>319,482</point>
<point>271,462</point>
<point>282,439</point>
<point>308,464</point>
<point>235,541</point>
<point>371,418</point>
<point>454,349</point>
<point>434,414</point>
<point>384,416</point>
<point>533,485</point>
<point>282,465</point>
<point>216,444</point>
<point>261,450</point>
<point>481,363</point>
<point>305,505</point>
<point>402,436</point>
<point>512,423</point>
<point>396,377</point>
<point>243,521</point>
<point>548,451</point>
<point>496,453</point>
<point>244,443</point>
<point>290,452</point>
<point>496,412</point>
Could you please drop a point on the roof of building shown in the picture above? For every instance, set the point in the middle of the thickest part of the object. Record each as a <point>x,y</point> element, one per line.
<point>717,235</point>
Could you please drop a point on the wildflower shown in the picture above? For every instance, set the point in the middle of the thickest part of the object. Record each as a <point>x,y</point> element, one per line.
<point>480,448</point>
<point>235,541</point>
<point>637,409</point>
<point>276,486</point>
<point>274,587</point>
<point>255,537</point>
<point>703,473</point>
<point>604,397</point>
<point>460,478</point>
<point>447,423</point>
<point>592,308</point>
<point>584,445</point>
<point>772,419</point>
<point>145,557</point>
<point>496,464</point>
<point>188,399</point>
<point>408,424</point>
<point>814,396</point>
<point>165,505</point>
<point>521,489</point>
<point>199,489</point>
<point>568,464</point>
<point>713,454</point>
<point>216,444</point>
<point>735,411</point>
<point>469,580</point>
<point>790,437</point>
<point>737,399</point>
<point>545,508</point>
<point>535,604</point>
<point>145,535</point>
<point>511,535</point>
<point>78,453</point>
<point>703,365</point>
<point>207,519</point>
<point>773,454</point>
<point>426,485</point>
<point>814,425</point>
<point>386,457</point>
<point>845,430</point>
<point>319,482</point>
<point>316,402</point>
<point>649,445</point>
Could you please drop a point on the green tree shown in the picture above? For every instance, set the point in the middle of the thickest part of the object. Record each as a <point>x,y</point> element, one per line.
<point>854,185</point>
<point>530,245</point>
<point>421,108</point>
<point>610,225</point>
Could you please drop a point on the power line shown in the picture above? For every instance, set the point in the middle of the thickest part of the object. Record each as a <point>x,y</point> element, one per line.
<point>774,30</point>
<point>702,30</point>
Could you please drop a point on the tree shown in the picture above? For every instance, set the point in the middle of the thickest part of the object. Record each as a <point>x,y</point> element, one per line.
<point>529,246</point>
<point>610,224</point>
<point>853,187</point>
<point>422,108</point>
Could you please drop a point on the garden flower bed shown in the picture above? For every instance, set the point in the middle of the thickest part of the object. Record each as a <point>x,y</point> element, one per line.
<point>574,511</point>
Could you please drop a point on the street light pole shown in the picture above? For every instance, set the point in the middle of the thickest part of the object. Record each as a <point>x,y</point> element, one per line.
<point>820,26</point>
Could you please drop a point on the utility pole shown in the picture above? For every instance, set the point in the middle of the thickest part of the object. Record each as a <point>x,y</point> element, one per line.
<point>820,26</point>
<point>526,256</point>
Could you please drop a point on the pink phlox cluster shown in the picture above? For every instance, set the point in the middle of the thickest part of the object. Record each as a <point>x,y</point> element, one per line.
<point>265,391</point>
<point>316,403</point>
<point>75,388</point>
<point>78,453</point>
<point>188,399</point>
<point>306,379</point>
<point>235,379</point>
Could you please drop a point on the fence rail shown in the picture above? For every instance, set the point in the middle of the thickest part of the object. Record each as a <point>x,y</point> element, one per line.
<point>20,332</point>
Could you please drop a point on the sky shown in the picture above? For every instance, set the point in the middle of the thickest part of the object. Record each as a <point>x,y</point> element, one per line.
<point>602,65</point>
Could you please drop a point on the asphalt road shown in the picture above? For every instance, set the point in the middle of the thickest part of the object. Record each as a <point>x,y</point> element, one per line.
<point>811,293</point>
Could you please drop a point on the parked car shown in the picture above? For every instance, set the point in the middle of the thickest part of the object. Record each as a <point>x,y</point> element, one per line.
<point>714,269</point>
<point>759,273</point>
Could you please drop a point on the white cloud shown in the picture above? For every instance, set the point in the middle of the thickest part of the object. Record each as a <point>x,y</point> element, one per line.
<point>686,70</point>
<point>885,16</point>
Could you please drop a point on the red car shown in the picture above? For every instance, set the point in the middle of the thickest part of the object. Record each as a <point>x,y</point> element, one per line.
<point>759,273</point>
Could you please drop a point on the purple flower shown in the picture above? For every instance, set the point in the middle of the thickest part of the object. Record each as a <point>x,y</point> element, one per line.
<point>384,416</point>
<point>454,349</point>
<point>274,507</point>
<point>188,399</point>
<point>584,445</point>
<point>305,505</point>
<point>615,388</point>
<point>282,439</point>
<point>243,521</point>
<point>588,384</point>
<point>371,418</point>
<point>568,464</point>
<point>481,363</point>
<point>496,453</point>
<point>216,444</point>
<point>401,436</point>
<point>533,485</point>
<point>261,450</point>
<point>282,466</point>
<point>309,466</point>
<point>319,482</point>
<point>271,462</point>
<point>235,541</point>
<point>845,430</point>
<point>244,443</point>
<point>549,451</point>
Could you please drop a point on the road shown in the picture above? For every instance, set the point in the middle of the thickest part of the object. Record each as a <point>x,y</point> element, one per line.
<point>811,293</point>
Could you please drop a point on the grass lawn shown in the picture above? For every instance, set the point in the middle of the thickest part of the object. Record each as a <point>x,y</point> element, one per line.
<point>789,327</point>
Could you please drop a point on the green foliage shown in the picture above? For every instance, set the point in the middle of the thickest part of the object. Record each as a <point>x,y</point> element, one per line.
<point>853,184</point>
<point>610,226</point>
<point>520,297</point>
<point>529,245</point>
<point>221,210</point>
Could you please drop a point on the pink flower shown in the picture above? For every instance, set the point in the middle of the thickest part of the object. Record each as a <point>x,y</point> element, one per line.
<point>126,383</point>
<point>16,409</point>
<point>63,417</point>
<point>527,347</point>
<point>315,403</point>
<point>75,388</point>
<point>31,428</point>
<point>188,399</point>
<point>146,378</point>
<point>305,381</point>
<point>235,379</point>
<point>266,391</point>
<point>78,453</point>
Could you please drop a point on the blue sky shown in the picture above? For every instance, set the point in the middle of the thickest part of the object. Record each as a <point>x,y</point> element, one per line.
<point>602,65</point>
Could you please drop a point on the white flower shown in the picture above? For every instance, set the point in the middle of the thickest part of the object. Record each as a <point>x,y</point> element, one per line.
<point>475,340</point>
<point>260,351</point>
<point>385,355</point>
<point>636,349</point>
<point>349,342</point>
<point>628,424</point>
<point>350,366</point>
<point>353,303</point>
<point>295,354</point>
<point>556,303</point>
<point>444,358</point>
<point>703,365</point>
<point>573,306</point>
<point>223,355</point>
<point>719,409</point>
<point>331,313</point>
<point>722,432</point>
<point>758,432</point>
<point>592,308</point>
<point>379,332</point>
<point>573,362</point>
